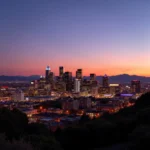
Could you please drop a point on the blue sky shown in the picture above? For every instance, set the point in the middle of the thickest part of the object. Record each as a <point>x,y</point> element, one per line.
<point>101,36</point>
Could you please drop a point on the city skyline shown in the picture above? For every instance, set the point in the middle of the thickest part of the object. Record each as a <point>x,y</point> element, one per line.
<point>101,37</point>
<point>74,74</point>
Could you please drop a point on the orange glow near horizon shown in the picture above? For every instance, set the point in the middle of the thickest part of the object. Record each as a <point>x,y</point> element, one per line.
<point>101,37</point>
<point>109,63</point>
<point>86,71</point>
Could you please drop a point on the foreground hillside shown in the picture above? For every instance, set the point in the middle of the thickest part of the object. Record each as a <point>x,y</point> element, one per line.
<point>128,129</point>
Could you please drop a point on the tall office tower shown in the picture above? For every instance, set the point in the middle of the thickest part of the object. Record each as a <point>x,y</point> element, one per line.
<point>92,77</point>
<point>77,83</point>
<point>135,86</point>
<point>61,71</point>
<point>67,77</point>
<point>105,81</point>
<point>51,77</point>
<point>79,74</point>
<point>47,71</point>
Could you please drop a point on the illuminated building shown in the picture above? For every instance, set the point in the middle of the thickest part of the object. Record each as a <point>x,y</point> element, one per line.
<point>114,88</point>
<point>92,77</point>
<point>43,91</point>
<point>86,86</point>
<point>79,74</point>
<point>103,90</point>
<point>126,96</point>
<point>47,86</point>
<point>34,84</point>
<point>51,77</point>
<point>94,91</point>
<point>94,83</point>
<point>135,86</point>
<point>77,84</point>
<point>94,113</point>
<point>86,82</point>
<point>41,83</point>
<point>4,88</point>
<point>8,98</point>
<point>18,96</point>
<point>105,81</point>
<point>61,71</point>
<point>47,71</point>
<point>67,78</point>
<point>60,86</point>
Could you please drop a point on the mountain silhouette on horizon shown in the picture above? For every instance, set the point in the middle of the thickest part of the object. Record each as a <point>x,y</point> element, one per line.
<point>19,78</point>
<point>122,78</point>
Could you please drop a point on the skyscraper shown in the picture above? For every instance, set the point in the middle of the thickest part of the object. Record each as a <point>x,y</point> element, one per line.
<point>92,77</point>
<point>135,86</point>
<point>67,77</point>
<point>79,74</point>
<point>61,71</point>
<point>77,83</point>
<point>47,71</point>
<point>105,81</point>
<point>51,77</point>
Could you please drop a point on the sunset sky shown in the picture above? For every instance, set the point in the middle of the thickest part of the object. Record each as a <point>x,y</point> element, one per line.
<point>99,36</point>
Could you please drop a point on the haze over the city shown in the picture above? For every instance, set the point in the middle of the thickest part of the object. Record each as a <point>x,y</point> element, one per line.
<point>99,36</point>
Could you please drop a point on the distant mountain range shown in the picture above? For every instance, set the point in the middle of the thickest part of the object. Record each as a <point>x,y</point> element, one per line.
<point>123,78</point>
<point>19,78</point>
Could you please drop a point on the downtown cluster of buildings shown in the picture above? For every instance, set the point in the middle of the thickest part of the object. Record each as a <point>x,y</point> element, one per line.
<point>65,83</point>
<point>76,96</point>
